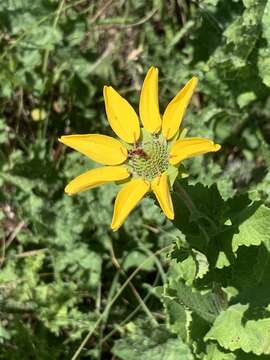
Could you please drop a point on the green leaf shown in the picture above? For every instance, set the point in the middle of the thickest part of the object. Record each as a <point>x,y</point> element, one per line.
<point>246,98</point>
<point>253,226</point>
<point>215,353</point>
<point>266,22</point>
<point>232,330</point>
<point>178,317</point>
<point>136,258</point>
<point>210,2</point>
<point>264,52</point>
<point>198,208</point>
<point>191,264</point>
<point>148,343</point>
<point>207,305</point>
<point>241,38</point>
<point>264,65</point>
<point>4,334</point>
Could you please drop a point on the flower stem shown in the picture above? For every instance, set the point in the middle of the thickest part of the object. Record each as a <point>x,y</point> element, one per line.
<point>191,206</point>
<point>195,214</point>
<point>181,192</point>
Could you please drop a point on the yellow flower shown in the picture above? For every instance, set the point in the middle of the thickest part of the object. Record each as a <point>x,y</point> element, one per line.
<point>146,158</point>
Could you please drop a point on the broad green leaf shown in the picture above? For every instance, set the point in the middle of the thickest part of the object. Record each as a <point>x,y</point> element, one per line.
<point>178,317</point>
<point>148,343</point>
<point>207,306</point>
<point>232,330</point>
<point>216,353</point>
<point>253,226</point>
<point>191,264</point>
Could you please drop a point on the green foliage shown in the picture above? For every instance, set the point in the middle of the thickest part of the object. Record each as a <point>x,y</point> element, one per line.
<point>145,342</point>
<point>202,281</point>
<point>222,294</point>
<point>233,331</point>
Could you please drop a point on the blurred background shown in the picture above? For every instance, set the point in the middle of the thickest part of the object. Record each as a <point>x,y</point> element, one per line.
<point>60,264</point>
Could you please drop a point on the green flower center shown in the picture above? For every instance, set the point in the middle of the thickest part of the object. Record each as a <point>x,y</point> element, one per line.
<point>149,158</point>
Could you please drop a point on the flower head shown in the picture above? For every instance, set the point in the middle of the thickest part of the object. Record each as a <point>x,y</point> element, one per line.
<point>146,158</point>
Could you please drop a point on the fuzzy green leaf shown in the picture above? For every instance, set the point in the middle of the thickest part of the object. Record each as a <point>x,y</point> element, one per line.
<point>254,226</point>
<point>215,353</point>
<point>232,330</point>
<point>148,343</point>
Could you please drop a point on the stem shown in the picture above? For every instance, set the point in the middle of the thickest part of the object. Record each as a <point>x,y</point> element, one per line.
<point>192,207</point>
<point>132,314</point>
<point>33,28</point>
<point>110,304</point>
<point>134,290</point>
<point>195,214</point>
<point>181,192</point>
<point>47,52</point>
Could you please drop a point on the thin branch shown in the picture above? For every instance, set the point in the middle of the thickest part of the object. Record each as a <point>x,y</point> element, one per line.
<point>110,304</point>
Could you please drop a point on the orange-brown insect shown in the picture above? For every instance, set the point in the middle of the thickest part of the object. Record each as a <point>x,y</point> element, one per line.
<point>138,151</point>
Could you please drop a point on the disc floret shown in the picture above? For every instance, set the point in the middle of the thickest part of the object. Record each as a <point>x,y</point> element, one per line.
<point>149,158</point>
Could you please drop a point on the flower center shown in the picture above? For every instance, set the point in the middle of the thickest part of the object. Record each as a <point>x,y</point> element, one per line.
<point>149,158</point>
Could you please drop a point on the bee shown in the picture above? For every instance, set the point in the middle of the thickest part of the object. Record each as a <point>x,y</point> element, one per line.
<point>137,151</point>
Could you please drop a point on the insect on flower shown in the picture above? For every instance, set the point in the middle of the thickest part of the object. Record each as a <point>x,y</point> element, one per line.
<point>144,157</point>
<point>139,151</point>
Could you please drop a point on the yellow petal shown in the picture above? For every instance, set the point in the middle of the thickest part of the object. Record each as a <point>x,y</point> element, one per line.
<point>175,110</point>
<point>121,116</point>
<point>96,177</point>
<point>101,148</point>
<point>160,188</point>
<point>149,107</point>
<point>126,200</point>
<point>185,148</point>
